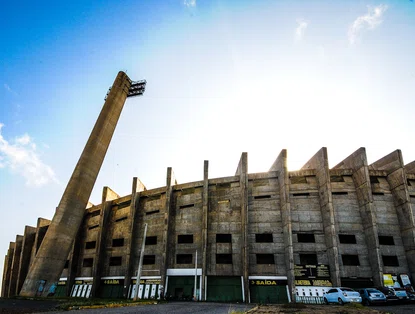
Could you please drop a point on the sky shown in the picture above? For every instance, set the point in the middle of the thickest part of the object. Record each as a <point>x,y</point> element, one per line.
<point>223,77</point>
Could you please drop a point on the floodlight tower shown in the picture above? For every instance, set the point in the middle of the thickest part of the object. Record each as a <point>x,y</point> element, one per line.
<point>57,243</point>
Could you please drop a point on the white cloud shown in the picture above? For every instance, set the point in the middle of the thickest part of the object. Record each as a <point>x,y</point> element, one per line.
<point>190,3</point>
<point>21,157</point>
<point>369,21</point>
<point>299,31</point>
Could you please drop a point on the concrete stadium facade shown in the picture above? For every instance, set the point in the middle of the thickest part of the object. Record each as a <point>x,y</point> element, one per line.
<point>267,237</point>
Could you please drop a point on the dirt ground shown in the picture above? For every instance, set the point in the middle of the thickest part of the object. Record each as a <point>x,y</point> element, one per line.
<point>314,309</point>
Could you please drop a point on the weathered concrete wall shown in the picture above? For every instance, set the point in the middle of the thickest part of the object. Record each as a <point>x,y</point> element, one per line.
<point>14,273</point>
<point>27,245</point>
<point>7,270</point>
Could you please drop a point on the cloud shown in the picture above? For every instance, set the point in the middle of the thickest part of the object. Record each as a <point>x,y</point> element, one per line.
<point>369,21</point>
<point>299,31</point>
<point>21,157</point>
<point>190,3</point>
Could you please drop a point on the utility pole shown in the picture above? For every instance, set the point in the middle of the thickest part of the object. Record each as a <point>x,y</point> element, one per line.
<point>140,264</point>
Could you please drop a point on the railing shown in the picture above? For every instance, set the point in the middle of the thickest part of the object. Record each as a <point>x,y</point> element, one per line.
<point>309,299</point>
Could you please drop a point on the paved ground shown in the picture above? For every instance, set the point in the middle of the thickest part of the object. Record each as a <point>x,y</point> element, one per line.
<point>396,309</point>
<point>11,306</point>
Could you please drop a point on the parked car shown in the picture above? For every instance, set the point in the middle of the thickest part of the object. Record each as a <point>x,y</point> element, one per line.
<point>341,296</point>
<point>401,293</point>
<point>389,293</point>
<point>371,296</point>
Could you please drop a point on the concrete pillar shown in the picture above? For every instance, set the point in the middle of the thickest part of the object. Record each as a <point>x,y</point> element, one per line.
<point>357,162</point>
<point>280,165</point>
<point>320,163</point>
<point>3,281</point>
<point>137,187</point>
<point>205,213</point>
<point>7,270</point>
<point>170,181</point>
<point>108,196</point>
<point>242,172</point>
<point>14,273</point>
<point>397,179</point>
<point>27,246</point>
<point>51,257</point>
<point>41,228</point>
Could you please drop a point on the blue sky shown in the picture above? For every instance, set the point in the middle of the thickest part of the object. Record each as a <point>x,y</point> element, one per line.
<point>223,77</point>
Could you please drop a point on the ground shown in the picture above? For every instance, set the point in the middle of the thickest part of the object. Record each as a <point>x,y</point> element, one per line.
<point>315,309</point>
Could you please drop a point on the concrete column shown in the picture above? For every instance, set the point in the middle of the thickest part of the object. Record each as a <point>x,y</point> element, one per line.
<point>205,213</point>
<point>41,228</point>
<point>167,226</point>
<point>280,165</point>
<point>14,273</point>
<point>108,196</point>
<point>27,245</point>
<point>51,257</point>
<point>7,270</point>
<point>137,187</point>
<point>397,179</point>
<point>320,163</point>
<point>242,172</point>
<point>357,162</point>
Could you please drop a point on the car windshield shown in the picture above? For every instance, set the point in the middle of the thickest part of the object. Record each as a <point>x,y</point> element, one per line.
<point>347,289</point>
<point>372,290</point>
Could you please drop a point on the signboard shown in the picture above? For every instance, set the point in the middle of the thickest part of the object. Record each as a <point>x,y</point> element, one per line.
<point>81,282</point>
<point>263,282</point>
<point>405,280</point>
<point>311,271</point>
<point>62,283</point>
<point>113,281</point>
<point>314,282</point>
<point>388,280</point>
<point>148,281</point>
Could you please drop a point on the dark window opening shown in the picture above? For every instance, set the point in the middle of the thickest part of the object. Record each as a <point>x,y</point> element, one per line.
<point>90,245</point>
<point>390,260</point>
<point>308,259</point>
<point>223,186</point>
<point>118,242</point>
<point>88,262</point>
<point>93,227</point>
<point>152,212</point>
<point>298,180</point>
<point>261,197</point>
<point>66,264</point>
<point>386,240</point>
<point>378,193</point>
<point>265,259</point>
<point>339,193</point>
<point>185,238</point>
<point>263,238</point>
<point>187,206</point>
<point>149,259</point>
<point>306,237</point>
<point>188,191</point>
<point>95,213</point>
<point>374,179</point>
<point>151,240</point>
<point>336,179</point>
<point>223,238</point>
<point>153,197</point>
<point>223,258</point>
<point>350,260</point>
<point>301,194</point>
<point>408,182</point>
<point>347,238</point>
<point>184,258</point>
<point>123,204</point>
<point>121,219</point>
<point>116,261</point>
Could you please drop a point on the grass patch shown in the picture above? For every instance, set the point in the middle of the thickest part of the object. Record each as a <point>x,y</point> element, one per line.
<point>82,303</point>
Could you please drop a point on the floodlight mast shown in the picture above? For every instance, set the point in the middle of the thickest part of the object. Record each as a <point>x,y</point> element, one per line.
<point>57,243</point>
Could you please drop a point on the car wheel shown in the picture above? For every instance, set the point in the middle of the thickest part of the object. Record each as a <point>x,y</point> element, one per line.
<point>326,302</point>
<point>341,301</point>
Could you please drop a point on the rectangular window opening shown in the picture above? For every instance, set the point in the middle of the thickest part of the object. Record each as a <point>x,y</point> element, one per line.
<point>223,238</point>
<point>301,194</point>
<point>336,179</point>
<point>152,212</point>
<point>66,264</point>
<point>261,197</point>
<point>151,240</point>
<point>121,219</point>
<point>90,245</point>
<point>118,242</point>
<point>263,238</point>
<point>298,180</point>
<point>184,258</point>
<point>347,238</point>
<point>386,240</point>
<point>308,259</point>
<point>93,227</point>
<point>88,262</point>
<point>223,258</point>
<point>149,259</point>
<point>187,206</point>
<point>339,193</point>
<point>265,259</point>
<point>350,260</point>
<point>95,213</point>
<point>378,193</point>
<point>374,179</point>
<point>185,238</point>
<point>390,260</point>
<point>115,261</point>
<point>306,238</point>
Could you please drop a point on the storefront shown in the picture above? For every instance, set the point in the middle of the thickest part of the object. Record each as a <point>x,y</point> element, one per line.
<point>224,289</point>
<point>311,281</point>
<point>268,289</point>
<point>61,288</point>
<point>111,287</point>
<point>82,287</point>
<point>180,284</point>
<point>149,287</point>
